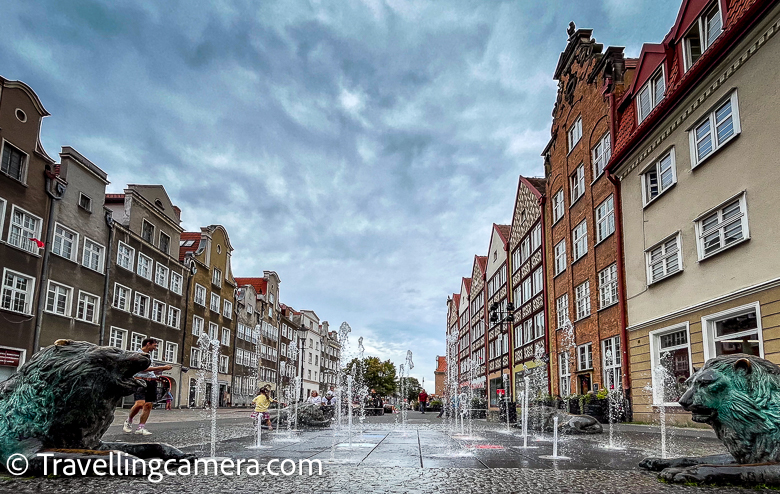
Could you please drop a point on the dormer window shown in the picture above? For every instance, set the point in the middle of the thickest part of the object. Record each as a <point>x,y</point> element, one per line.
<point>702,35</point>
<point>651,94</point>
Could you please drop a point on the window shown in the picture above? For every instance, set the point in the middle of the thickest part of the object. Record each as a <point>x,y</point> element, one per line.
<point>577,183</point>
<point>161,275</point>
<point>17,292</point>
<point>613,374</point>
<point>575,133</point>
<point>525,249</point>
<point>24,228</point>
<point>158,312</point>
<point>121,297</point>
<point>560,257</point>
<point>527,289</point>
<point>585,357</point>
<point>135,341</point>
<point>85,202</point>
<point>93,255</point>
<point>147,232</point>
<point>518,337</point>
<point>144,268</point>
<point>605,219</point>
<point>214,303</point>
<point>558,206</point>
<point>223,364</point>
<point>538,325</point>
<point>125,256</point>
<point>582,297</point>
<point>528,330</point>
<point>88,308</point>
<point>118,338</point>
<point>664,259</point>
<point>195,358</point>
<point>725,120</point>
<point>216,277</point>
<point>538,278</point>
<point>141,305</point>
<point>536,237</point>
<point>650,95</point>
<point>580,240</point>
<point>176,283</point>
<point>722,228</point>
<point>58,299</point>
<point>702,35</point>
<point>659,177</point>
<point>197,325</point>
<point>608,286</point>
<point>171,349</point>
<point>516,263</point>
<point>736,330</point>
<point>601,152</point>
<point>200,295</point>
<point>670,363</point>
<point>213,329</point>
<point>564,374</point>
<point>66,242</point>
<point>562,310</point>
<point>227,309</point>
<point>14,161</point>
<point>225,336</point>
<point>165,242</point>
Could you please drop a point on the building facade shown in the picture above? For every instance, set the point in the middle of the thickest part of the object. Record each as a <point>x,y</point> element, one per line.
<point>496,297</point>
<point>478,315</point>
<point>245,347</point>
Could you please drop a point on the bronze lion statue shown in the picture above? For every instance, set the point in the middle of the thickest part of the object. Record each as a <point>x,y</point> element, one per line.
<point>63,399</point>
<point>739,396</point>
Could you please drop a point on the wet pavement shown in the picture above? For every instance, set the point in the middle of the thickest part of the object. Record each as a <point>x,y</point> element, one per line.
<point>384,456</point>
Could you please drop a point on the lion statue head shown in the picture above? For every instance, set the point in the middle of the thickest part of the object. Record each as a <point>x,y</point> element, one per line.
<point>65,396</point>
<point>739,396</point>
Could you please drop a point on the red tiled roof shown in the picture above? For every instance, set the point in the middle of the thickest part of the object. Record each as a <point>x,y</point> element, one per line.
<point>540,184</point>
<point>259,284</point>
<point>192,248</point>
<point>441,364</point>
<point>503,232</point>
<point>456,299</point>
<point>482,262</point>
<point>467,281</point>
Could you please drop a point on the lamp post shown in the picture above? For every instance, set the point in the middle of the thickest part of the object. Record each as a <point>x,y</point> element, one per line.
<point>301,335</point>
<point>504,316</point>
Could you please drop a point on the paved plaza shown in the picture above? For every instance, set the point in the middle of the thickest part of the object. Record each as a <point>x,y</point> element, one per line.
<point>382,455</point>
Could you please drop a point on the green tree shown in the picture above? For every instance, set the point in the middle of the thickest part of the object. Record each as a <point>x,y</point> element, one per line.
<point>412,387</point>
<point>375,374</point>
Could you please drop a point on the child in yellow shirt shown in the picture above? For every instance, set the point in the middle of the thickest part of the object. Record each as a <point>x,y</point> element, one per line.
<point>262,403</point>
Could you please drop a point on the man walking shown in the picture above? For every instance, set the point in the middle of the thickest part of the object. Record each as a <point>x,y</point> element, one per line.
<point>145,396</point>
<point>423,399</point>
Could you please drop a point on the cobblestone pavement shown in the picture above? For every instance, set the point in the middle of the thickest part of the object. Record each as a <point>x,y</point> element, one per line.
<point>385,457</point>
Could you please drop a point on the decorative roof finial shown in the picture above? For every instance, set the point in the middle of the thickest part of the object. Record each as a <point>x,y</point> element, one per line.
<point>571,29</point>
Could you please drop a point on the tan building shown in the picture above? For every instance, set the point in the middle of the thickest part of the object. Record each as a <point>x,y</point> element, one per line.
<point>210,309</point>
<point>498,329</point>
<point>696,157</point>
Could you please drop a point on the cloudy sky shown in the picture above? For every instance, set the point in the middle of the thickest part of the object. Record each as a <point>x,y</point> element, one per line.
<point>361,149</point>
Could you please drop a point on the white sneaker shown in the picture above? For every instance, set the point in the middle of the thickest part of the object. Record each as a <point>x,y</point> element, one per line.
<point>127,427</point>
<point>142,431</point>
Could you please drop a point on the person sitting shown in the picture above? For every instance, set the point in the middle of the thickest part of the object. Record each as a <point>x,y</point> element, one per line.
<point>314,398</point>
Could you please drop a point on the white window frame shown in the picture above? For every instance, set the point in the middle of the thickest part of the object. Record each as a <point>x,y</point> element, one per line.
<point>561,260</point>
<point>577,184</point>
<point>613,368</point>
<point>100,254</point>
<point>701,25</point>
<point>588,354</point>
<point>711,117</point>
<point>151,239</point>
<point>158,316</point>
<point>161,268</point>
<point>582,300</point>
<point>58,238</point>
<point>708,330</point>
<point>195,361</point>
<point>224,363</point>
<point>579,239</point>
<point>227,308</point>
<point>95,310</point>
<point>574,134</point>
<point>214,304</point>
<point>538,319</point>
<point>601,153</point>
<point>128,298</point>
<point>120,257</point>
<point>654,337</point>
<point>3,204</point>
<point>608,286</point>
<point>197,329</point>
<point>133,335</point>
<point>656,167</point>
<point>225,337</point>
<point>198,300</point>
<point>564,374</point>
<point>213,330</point>
<point>605,217</point>
<point>24,165</point>
<point>558,206</point>
<point>52,286</point>
<point>159,242</point>
<point>171,351</point>
<point>562,310</point>
<point>83,195</point>
<point>31,246</point>
<point>648,257</point>
<point>148,263</point>
<point>216,277</point>
<point>650,90</point>
<point>137,296</point>
<point>28,294</point>
<point>742,218</point>
<point>176,286</point>
<point>123,337</point>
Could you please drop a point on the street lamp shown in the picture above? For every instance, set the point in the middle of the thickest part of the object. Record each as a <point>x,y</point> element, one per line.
<point>498,316</point>
<point>301,335</point>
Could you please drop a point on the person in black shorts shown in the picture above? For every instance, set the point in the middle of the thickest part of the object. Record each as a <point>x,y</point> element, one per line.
<point>145,396</point>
